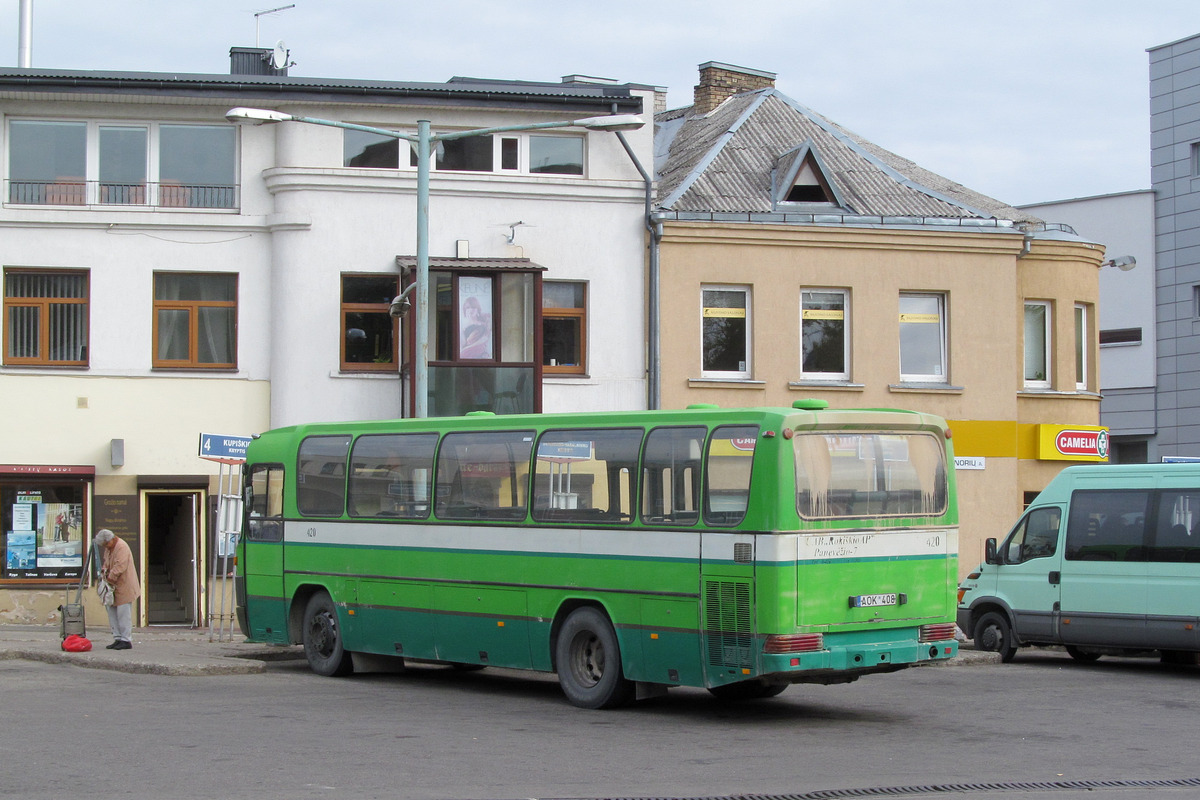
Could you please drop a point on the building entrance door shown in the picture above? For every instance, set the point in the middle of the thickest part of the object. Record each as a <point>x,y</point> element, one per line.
<point>173,564</point>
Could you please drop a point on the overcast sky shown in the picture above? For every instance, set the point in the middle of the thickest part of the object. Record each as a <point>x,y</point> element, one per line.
<point>1026,101</point>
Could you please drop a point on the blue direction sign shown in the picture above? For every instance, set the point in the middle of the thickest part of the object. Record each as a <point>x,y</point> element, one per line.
<point>224,448</point>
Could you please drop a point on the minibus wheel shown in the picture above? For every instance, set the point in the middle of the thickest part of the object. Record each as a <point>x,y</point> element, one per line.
<point>995,635</point>
<point>1079,654</point>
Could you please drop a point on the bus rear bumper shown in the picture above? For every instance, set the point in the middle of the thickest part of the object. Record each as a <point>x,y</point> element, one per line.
<point>853,660</point>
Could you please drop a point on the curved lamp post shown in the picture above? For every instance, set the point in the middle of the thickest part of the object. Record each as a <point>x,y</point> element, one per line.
<point>425,140</point>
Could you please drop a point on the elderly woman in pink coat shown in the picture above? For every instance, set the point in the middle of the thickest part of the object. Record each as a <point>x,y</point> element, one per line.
<point>117,568</point>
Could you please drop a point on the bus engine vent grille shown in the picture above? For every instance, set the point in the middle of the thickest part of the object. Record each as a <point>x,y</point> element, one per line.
<point>727,607</point>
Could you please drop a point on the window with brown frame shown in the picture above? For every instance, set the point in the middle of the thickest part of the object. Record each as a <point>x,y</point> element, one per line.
<point>369,340</point>
<point>195,320</point>
<point>564,328</point>
<point>45,318</point>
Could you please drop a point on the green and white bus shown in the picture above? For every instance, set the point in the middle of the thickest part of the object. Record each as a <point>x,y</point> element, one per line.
<point>740,550</point>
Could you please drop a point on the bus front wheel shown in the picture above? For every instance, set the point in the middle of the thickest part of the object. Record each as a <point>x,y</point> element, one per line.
<point>323,645</point>
<point>588,659</point>
<point>994,634</point>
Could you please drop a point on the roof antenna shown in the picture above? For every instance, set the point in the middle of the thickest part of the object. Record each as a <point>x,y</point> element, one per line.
<point>259,14</point>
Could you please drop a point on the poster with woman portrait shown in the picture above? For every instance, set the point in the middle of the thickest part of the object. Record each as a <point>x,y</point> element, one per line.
<point>475,317</point>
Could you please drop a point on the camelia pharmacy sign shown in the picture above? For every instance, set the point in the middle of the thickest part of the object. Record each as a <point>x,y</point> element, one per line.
<point>1072,443</point>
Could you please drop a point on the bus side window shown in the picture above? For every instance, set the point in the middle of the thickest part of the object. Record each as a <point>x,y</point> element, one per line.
<point>483,475</point>
<point>389,475</point>
<point>321,476</point>
<point>583,475</point>
<point>265,515</point>
<point>727,475</point>
<point>671,476</point>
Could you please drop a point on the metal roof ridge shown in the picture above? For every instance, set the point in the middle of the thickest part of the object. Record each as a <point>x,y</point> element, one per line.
<point>716,149</point>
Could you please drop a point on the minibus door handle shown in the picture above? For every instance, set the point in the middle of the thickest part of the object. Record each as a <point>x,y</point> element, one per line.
<point>1055,577</point>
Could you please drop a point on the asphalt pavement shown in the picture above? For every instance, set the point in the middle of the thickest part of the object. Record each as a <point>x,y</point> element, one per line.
<point>193,651</point>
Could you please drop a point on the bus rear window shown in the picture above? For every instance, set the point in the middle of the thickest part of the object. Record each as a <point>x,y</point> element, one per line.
<point>861,474</point>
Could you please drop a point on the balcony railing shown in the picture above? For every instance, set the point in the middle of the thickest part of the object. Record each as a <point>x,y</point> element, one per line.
<point>69,192</point>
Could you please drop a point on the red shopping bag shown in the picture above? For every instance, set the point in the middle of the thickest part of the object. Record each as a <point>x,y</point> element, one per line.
<point>76,644</point>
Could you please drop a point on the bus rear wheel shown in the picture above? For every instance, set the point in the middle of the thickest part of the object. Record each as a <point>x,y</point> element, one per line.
<point>994,634</point>
<point>588,659</point>
<point>322,634</point>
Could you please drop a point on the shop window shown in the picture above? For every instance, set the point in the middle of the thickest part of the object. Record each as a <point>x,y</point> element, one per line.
<point>825,345</point>
<point>195,320</point>
<point>369,333</point>
<point>45,318</point>
<point>43,530</point>
<point>564,328</point>
<point>725,327</point>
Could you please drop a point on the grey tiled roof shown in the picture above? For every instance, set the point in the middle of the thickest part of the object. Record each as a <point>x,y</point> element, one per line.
<point>723,162</point>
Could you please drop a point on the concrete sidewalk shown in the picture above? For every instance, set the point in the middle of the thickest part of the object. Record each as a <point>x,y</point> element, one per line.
<point>156,651</point>
<point>188,651</point>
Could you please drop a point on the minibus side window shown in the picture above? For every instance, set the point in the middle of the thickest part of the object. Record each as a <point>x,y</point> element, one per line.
<point>1036,536</point>
<point>1177,534</point>
<point>1107,526</point>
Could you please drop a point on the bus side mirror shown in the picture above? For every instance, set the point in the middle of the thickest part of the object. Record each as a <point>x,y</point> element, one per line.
<point>989,552</point>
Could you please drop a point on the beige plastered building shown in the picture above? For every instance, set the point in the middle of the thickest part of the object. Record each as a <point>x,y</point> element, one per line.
<point>773,221</point>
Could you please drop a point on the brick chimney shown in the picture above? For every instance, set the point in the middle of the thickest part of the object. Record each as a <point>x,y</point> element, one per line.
<point>719,81</point>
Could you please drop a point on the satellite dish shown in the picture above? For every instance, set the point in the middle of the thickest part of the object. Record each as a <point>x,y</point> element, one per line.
<point>279,57</point>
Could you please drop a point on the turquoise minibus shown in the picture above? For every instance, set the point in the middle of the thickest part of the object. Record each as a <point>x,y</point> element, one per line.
<point>1106,560</point>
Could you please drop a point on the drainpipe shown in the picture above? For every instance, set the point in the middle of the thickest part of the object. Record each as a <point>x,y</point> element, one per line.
<point>653,399</point>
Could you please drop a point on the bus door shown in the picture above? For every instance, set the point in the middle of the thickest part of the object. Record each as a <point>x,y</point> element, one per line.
<point>727,557</point>
<point>261,605</point>
<point>1031,573</point>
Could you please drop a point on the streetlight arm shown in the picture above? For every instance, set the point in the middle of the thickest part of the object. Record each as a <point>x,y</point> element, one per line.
<point>264,116</point>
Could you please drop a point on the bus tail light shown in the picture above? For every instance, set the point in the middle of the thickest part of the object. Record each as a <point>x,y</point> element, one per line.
<point>937,632</point>
<point>777,644</point>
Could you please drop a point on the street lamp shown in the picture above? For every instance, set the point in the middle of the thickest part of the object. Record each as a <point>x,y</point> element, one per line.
<point>425,140</point>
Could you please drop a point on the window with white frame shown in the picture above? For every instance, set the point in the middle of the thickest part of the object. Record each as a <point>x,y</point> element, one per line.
<point>530,154</point>
<point>75,163</point>
<point>1037,344</point>
<point>725,332</point>
<point>923,337</point>
<point>1081,347</point>
<point>824,335</point>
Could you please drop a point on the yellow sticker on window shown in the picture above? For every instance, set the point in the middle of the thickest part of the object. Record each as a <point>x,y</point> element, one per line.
<point>934,318</point>
<point>728,313</point>
<point>823,313</point>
